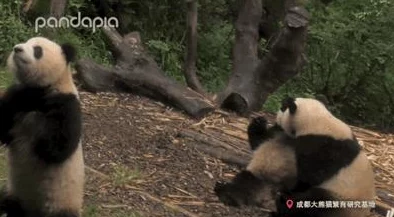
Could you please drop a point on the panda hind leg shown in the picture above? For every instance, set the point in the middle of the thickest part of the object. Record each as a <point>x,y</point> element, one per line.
<point>242,190</point>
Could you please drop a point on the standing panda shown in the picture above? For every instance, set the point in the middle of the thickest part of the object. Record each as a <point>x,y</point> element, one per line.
<point>323,156</point>
<point>40,125</point>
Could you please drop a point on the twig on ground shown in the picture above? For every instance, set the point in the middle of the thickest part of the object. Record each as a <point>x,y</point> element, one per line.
<point>167,204</point>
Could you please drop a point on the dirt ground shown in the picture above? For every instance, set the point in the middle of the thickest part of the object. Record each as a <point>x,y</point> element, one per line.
<point>137,165</point>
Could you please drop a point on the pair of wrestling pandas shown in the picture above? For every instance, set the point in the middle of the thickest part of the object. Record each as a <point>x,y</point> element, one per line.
<point>307,155</point>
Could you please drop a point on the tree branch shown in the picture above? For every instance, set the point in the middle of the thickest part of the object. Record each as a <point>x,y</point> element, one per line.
<point>252,80</point>
<point>190,69</point>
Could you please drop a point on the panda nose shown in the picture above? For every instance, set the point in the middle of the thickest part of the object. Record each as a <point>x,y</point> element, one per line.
<point>17,49</point>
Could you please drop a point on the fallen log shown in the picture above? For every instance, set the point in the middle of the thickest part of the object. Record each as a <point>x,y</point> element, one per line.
<point>136,72</point>
<point>216,148</point>
<point>227,156</point>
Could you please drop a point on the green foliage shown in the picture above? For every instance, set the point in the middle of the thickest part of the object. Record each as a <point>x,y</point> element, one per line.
<point>214,52</point>
<point>3,166</point>
<point>5,79</point>
<point>350,53</point>
<point>88,44</point>
<point>291,88</point>
<point>169,56</point>
<point>13,30</point>
<point>213,56</point>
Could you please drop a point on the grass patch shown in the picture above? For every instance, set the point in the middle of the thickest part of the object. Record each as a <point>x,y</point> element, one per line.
<point>90,211</point>
<point>3,166</point>
<point>5,79</point>
<point>93,210</point>
<point>123,175</point>
<point>127,214</point>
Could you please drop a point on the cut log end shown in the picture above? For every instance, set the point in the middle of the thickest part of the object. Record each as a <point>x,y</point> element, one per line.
<point>297,17</point>
<point>203,112</point>
<point>235,102</point>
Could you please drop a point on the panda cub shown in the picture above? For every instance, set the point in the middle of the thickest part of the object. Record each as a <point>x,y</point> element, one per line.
<point>272,169</point>
<point>323,162</point>
<point>40,125</point>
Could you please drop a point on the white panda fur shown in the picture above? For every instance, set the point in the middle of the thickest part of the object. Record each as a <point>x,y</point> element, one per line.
<point>42,182</point>
<point>312,117</point>
<point>263,165</point>
<point>284,159</point>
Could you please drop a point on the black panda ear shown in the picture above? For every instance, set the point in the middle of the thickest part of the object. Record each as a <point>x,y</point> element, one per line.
<point>289,103</point>
<point>69,52</point>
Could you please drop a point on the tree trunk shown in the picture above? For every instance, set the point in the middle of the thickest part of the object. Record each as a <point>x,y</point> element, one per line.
<point>286,57</point>
<point>36,8</point>
<point>135,71</point>
<point>58,8</point>
<point>190,69</point>
<point>245,57</point>
<point>27,5</point>
<point>253,80</point>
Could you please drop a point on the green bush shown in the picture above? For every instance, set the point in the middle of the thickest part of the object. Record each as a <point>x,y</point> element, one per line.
<point>350,61</point>
<point>12,29</point>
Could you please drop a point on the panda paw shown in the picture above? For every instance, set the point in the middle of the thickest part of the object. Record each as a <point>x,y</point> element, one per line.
<point>257,130</point>
<point>24,98</point>
<point>258,125</point>
<point>227,194</point>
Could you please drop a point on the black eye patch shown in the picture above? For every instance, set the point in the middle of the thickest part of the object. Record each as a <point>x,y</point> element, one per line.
<point>37,52</point>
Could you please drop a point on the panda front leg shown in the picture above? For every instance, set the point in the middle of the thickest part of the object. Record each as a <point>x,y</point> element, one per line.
<point>258,131</point>
<point>6,121</point>
<point>56,128</point>
<point>16,101</point>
